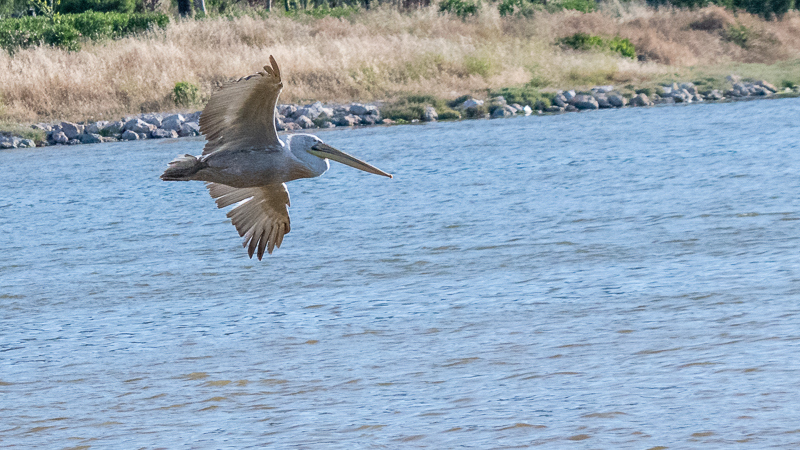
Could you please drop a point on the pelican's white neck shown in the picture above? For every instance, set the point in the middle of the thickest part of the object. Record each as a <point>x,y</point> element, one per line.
<point>299,145</point>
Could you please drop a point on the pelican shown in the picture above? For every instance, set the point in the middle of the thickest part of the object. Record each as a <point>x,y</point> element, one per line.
<point>244,163</point>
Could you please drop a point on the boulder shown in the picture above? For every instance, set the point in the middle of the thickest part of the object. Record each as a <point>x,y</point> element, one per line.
<point>152,119</point>
<point>583,101</point>
<point>90,138</point>
<point>369,119</point>
<point>602,89</point>
<point>139,126</point>
<point>471,103</point>
<point>94,128</point>
<point>328,124</point>
<point>569,95</point>
<point>173,122</point>
<point>714,95</point>
<point>189,129</point>
<point>617,101</point>
<point>602,101</point>
<point>286,110</point>
<point>560,100</point>
<point>129,135</point>
<point>766,85</point>
<point>7,142</point>
<point>71,130</point>
<point>640,100</point>
<point>570,108</point>
<point>554,109</point>
<point>500,100</point>
<point>358,109</point>
<point>162,133</point>
<point>348,121</point>
<point>503,111</point>
<point>430,114</point>
<point>26,143</point>
<point>73,142</point>
<point>59,137</point>
<point>115,127</point>
<point>291,126</point>
<point>310,111</point>
<point>305,122</point>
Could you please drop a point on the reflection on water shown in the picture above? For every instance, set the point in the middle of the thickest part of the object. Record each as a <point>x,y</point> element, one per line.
<point>611,279</point>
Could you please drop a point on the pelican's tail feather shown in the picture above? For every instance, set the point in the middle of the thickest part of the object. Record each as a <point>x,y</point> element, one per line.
<point>182,168</point>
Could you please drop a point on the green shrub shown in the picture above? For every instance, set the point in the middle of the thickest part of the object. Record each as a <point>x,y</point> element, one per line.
<point>448,114</point>
<point>764,8</point>
<point>461,8</point>
<point>576,5</point>
<point>586,42</point>
<point>477,66</point>
<point>185,94</point>
<point>66,31</point>
<point>79,6</point>
<point>739,35</point>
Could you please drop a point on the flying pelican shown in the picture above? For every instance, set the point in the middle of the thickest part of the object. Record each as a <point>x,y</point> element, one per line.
<point>245,163</point>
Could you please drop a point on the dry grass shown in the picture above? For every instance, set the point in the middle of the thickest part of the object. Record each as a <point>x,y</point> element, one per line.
<point>382,54</point>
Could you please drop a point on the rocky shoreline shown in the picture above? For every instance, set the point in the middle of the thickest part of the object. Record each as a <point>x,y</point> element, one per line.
<point>318,115</point>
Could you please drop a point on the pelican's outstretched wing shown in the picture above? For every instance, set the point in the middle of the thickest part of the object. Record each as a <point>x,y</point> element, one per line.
<point>242,113</point>
<point>262,217</point>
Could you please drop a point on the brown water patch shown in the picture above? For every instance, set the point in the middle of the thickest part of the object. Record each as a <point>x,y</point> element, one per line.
<point>132,380</point>
<point>703,434</point>
<point>156,396</point>
<point>242,383</point>
<point>655,352</point>
<point>697,364</point>
<point>461,361</point>
<point>521,425</point>
<point>273,381</point>
<point>625,331</point>
<point>215,399</point>
<point>5,383</point>
<point>195,376</point>
<point>218,383</point>
<point>605,415</point>
<point>313,306</point>
<point>366,427</point>
<point>453,429</point>
<point>415,437</point>
<point>658,447</point>
<point>311,342</point>
<point>38,429</point>
<point>80,447</point>
<point>579,437</point>
<point>177,405</point>
<point>209,408</point>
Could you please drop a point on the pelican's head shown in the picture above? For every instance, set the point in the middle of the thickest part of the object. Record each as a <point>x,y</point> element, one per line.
<point>315,153</point>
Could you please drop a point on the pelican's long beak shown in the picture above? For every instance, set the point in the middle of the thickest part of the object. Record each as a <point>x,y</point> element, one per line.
<point>326,151</point>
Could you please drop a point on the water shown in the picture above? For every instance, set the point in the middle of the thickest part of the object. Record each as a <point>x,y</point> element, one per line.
<point>615,279</point>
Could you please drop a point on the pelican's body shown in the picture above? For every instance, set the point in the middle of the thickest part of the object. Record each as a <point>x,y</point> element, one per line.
<point>245,162</point>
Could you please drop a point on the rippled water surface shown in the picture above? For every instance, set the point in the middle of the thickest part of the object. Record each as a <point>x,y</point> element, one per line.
<point>614,279</point>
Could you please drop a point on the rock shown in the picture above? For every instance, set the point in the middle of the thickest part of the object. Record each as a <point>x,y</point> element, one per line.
<point>114,127</point>
<point>500,100</point>
<point>95,127</point>
<point>173,122</point>
<point>59,137</point>
<point>518,107</point>
<point>617,101</point>
<point>42,126</point>
<point>387,122</point>
<point>583,101</point>
<point>152,119</point>
<point>430,114</point>
<point>287,110</point>
<point>348,120</point>
<point>503,111</point>
<point>310,111</point>
<point>602,89</point>
<point>73,142</point>
<point>291,126</point>
<point>90,138</point>
<point>714,95</point>
<point>26,143</point>
<point>358,109</point>
<point>71,130</point>
<point>7,142</point>
<point>602,101</point>
<point>665,100</point>
<point>129,135</point>
<point>189,129</point>
<point>570,108</point>
<point>305,122</point>
<point>162,133</point>
<point>569,95</point>
<point>766,85</point>
<point>733,78</point>
<point>640,100</point>
<point>471,103</point>
<point>560,100</point>
<point>368,119</point>
<point>328,124</point>
<point>554,109</point>
<point>193,117</point>
<point>139,126</point>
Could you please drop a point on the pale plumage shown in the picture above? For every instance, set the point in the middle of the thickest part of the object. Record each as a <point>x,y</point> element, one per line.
<point>244,163</point>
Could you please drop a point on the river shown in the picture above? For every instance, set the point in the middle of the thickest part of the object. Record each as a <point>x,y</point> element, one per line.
<point>613,279</point>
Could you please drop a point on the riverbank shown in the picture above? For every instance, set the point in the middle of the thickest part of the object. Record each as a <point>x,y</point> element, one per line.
<point>294,118</point>
<point>385,55</point>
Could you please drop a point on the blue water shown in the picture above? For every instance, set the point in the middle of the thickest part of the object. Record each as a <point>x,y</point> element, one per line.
<point>613,279</point>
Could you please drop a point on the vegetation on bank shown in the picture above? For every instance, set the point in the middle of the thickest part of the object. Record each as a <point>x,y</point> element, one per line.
<point>407,56</point>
